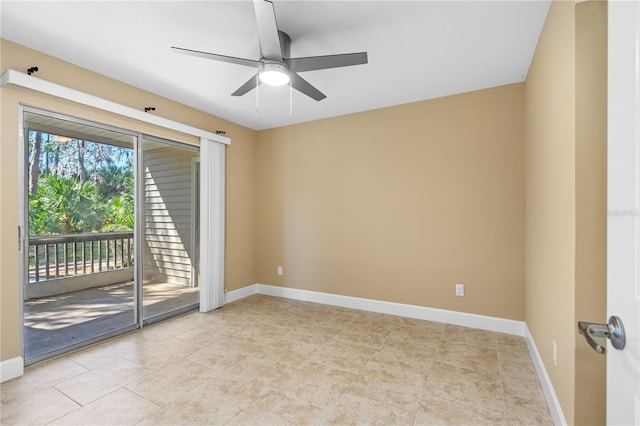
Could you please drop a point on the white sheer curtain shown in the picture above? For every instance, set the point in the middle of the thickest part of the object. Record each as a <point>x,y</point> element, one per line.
<point>212,210</point>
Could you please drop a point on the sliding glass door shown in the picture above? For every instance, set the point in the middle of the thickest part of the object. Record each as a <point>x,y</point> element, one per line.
<point>170,195</point>
<point>79,201</point>
<point>111,231</point>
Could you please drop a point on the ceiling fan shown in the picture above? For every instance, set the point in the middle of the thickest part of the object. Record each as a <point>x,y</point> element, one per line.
<point>275,67</point>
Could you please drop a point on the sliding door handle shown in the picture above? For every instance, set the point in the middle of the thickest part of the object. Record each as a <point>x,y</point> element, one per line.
<point>613,330</point>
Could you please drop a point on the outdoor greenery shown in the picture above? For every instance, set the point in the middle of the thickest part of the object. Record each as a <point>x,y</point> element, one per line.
<point>79,186</point>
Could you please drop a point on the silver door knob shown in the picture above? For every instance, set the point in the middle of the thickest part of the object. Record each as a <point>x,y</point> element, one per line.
<point>614,331</point>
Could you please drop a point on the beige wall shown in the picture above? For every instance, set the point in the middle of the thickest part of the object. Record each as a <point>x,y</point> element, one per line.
<point>565,183</point>
<point>399,204</point>
<point>550,199</point>
<point>591,205</point>
<point>240,249</point>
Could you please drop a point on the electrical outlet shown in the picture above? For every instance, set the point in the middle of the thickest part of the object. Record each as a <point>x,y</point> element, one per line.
<point>280,270</point>
<point>459,289</point>
<point>555,353</point>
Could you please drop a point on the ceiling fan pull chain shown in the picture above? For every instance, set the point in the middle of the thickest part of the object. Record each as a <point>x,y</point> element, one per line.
<point>290,99</point>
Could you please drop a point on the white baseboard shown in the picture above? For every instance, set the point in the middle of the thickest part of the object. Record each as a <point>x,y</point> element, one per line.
<point>11,368</point>
<point>499,325</point>
<point>545,381</point>
<point>241,293</point>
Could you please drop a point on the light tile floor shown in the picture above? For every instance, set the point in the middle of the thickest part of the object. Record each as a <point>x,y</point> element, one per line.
<point>266,360</point>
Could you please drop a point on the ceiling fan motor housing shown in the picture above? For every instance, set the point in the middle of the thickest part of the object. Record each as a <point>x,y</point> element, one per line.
<point>274,73</point>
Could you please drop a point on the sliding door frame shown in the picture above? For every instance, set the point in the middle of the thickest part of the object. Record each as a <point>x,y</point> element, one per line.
<point>23,229</point>
<point>141,220</point>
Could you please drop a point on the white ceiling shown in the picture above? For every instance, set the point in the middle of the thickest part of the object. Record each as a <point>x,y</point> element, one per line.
<point>417,49</point>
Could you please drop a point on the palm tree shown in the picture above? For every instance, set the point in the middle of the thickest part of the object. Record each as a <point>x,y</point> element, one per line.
<point>66,205</point>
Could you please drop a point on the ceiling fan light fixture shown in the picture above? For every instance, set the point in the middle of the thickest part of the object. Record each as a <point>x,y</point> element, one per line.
<point>274,74</point>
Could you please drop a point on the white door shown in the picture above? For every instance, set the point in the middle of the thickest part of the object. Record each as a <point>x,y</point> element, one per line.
<point>623,223</point>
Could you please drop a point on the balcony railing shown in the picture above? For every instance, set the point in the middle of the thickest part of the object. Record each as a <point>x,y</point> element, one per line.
<point>62,256</point>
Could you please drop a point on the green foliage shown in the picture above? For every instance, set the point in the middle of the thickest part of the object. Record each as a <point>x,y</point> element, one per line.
<point>113,180</point>
<point>120,209</point>
<point>67,200</point>
<point>65,205</point>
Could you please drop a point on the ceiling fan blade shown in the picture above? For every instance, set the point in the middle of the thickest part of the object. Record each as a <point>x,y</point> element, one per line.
<point>312,63</point>
<point>305,87</point>
<point>267,30</point>
<point>251,84</point>
<point>215,57</point>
